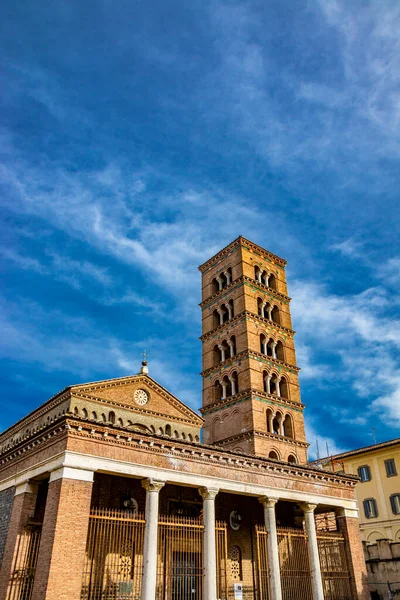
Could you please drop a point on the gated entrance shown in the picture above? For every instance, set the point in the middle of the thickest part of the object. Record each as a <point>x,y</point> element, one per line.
<point>24,567</point>
<point>114,557</point>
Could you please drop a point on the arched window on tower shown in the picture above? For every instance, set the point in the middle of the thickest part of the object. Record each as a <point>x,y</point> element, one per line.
<point>217,391</point>
<point>230,309</point>
<point>270,347</point>
<point>277,425</point>
<point>270,418</point>
<point>216,319</point>
<point>224,314</point>
<point>275,315</point>
<point>280,355</point>
<point>257,273</point>
<point>111,417</point>
<point>272,281</point>
<point>273,455</point>
<point>274,385</point>
<point>292,459</point>
<point>216,353</point>
<point>232,346</point>
<point>284,388</point>
<point>168,430</point>
<point>214,287</point>
<point>288,427</point>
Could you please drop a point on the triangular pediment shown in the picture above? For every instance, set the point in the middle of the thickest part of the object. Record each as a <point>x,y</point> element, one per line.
<point>141,394</point>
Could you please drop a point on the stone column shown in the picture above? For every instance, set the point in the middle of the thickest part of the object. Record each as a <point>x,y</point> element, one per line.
<point>349,525</point>
<point>273,348</point>
<point>278,387</point>
<point>272,543</point>
<point>268,384</point>
<point>269,313</point>
<point>230,311</point>
<point>265,347</point>
<point>221,315</point>
<point>63,542</point>
<point>231,348</point>
<point>222,350</point>
<point>152,488</point>
<point>233,386</point>
<point>220,283</point>
<point>210,553</point>
<point>262,309</point>
<point>224,387</point>
<point>23,508</point>
<point>228,277</point>
<point>313,554</point>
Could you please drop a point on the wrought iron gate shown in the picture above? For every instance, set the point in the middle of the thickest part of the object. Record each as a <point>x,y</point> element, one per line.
<point>293,560</point>
<point>114,555</point>
<point>334,569</point>
<point>24,567</point>
<point>262,563</point>
<point>180,571</point>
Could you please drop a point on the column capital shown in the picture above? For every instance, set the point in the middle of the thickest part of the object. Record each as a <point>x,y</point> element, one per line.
<point>307,507</point>
<point>152,485</point>
<point>208,493</point>
<point>268,502</point>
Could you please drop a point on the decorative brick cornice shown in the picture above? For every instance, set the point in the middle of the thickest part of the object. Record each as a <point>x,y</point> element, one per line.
<point>250,394</point>
<point>234,246</point>
<point>205,454</point>
<point>280,364</point>
<point>261,434</point>
<point>242,281</point>
<point>248,316</point>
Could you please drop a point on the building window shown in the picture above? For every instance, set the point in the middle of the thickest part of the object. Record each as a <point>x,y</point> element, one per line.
<point>364,473</point>
<point>395,503</point>
<point>370,508</point>
<point>390,467</point>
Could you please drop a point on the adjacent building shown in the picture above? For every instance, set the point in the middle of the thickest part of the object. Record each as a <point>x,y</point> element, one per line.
<point>378,498</point>
<point>116,489</point>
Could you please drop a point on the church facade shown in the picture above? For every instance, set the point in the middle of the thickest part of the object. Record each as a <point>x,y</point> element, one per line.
<point>116,490</point>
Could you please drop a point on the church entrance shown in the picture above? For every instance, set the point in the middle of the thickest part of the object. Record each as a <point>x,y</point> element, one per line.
<point>114,557</point>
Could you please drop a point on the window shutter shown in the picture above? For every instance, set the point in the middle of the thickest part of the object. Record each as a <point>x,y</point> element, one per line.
<point>392,504</point>
<point>366,508</point>
<point>375,508</point>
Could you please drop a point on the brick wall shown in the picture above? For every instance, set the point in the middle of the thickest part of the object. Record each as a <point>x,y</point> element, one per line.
<point>350,527</point>
<point>6,502</point>
<point>63,542</point>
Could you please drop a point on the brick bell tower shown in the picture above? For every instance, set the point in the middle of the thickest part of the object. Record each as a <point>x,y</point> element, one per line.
<point>251,395</point>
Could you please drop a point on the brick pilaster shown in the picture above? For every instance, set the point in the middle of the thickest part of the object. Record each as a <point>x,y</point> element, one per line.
<point>63,541</point>
<point>350,527</point>
<point>23,509</point>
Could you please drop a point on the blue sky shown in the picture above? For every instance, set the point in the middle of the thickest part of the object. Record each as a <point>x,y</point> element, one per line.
<point>137,139</point>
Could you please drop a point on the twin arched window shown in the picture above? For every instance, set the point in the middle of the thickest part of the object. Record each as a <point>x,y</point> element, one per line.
<point>268,311</point>
<point>228,386</point>
<point>279,424</point>
<point>226,349</point>
<point>273,384</point>
<point>223,314</point>
<point>265,278</point>
<point>271,347</point>
<point>221,281</point>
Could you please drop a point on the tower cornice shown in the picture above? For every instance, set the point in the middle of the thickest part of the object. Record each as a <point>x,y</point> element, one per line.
<point>255,395</point>
<point>237,243</point>
<point>249,354</point>
<point>254,433</point>
<point>247,315</point>
<point>245,281</point>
